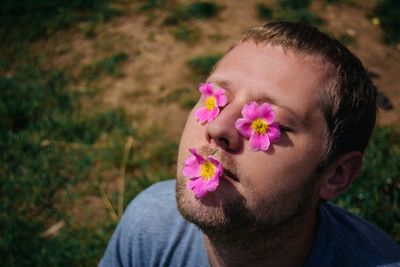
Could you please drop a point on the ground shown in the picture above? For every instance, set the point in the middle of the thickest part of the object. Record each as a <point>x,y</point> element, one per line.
<point>157,62</point>
<point>156,86</point>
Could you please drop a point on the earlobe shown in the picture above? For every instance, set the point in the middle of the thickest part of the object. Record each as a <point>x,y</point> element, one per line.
<point>339,175</point>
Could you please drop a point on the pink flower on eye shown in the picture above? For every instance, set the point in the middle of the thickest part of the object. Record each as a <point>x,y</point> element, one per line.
<point>212,100</point>
<point>258,125</point>
<point>203,174</point>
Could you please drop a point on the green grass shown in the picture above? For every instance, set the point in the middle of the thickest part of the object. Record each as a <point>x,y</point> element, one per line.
<point>58,147</point>
<point>202,65</point>
<point>46,142</point>
<point>294,4</point>
<point>186,33</point>
<point>388,13</point>
<point>185,97</point>
<point>299,15</point>
<point>55,153</point>
<point>263,11</point>
<point>34,19</point>
<point>289,10</point>
<point>182,17</point>
<point>196,10</point>
<point>36,170</point>
<point>110,66</point>
<point>375,195</point>
<point>150,5</point>
<point>348,2</point>
<point>203,9</point>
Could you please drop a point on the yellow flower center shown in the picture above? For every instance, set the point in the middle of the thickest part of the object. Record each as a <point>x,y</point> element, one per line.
<point>207,170</point>
<point>210,103</point>
<point>259,126</point>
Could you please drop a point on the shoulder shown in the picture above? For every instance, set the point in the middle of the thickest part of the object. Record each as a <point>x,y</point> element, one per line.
<point>152,232</point>
<point>352,241</point>
<point>149,201</point>
<point>360,230</point>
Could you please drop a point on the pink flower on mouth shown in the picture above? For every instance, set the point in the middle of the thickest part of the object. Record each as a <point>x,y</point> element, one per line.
<point>203,174</point>
<point>213,99</point>
<point>258,125</point>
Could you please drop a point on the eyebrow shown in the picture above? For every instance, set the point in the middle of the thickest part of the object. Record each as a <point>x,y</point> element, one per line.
<point>222,83</point>
<point>275,102</point>
<point>227,84</point>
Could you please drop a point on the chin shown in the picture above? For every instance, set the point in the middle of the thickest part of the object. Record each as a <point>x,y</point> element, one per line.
<point>226,192</point>
<point>215,209</point>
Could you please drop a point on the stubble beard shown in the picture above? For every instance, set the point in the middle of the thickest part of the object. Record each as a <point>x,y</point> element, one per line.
<point>234,228</point>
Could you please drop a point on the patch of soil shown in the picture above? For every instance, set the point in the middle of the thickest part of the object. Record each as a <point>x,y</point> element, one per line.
<point>157,62</point>
<point>378,58</point>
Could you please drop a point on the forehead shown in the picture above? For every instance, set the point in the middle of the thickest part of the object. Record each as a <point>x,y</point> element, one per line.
<point>261,71</point>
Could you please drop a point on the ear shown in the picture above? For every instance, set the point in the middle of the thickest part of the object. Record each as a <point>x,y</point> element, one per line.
<point>339,175</point>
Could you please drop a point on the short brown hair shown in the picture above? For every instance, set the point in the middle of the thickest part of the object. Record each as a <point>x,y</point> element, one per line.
<point>348,102</point>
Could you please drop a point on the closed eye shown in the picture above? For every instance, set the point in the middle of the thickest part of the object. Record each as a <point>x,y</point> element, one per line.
<point>284,128</point>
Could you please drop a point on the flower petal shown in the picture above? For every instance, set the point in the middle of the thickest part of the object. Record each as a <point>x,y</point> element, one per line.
<point>200,192</point>
<point>191,168</point>
<point>274,132</point>
<point>218,164</point>
<point>201,114</point>
<point>221,98</point>
<point>243,125</point>
<point>198,157</point>
<point>212,184</point>
<point>206,89</point>
<point>214,161</point>
<point>250,111</point>
<point>193,183</point>
<point>267,112</point>
<point>197,187</point>
<point>213,114</point>
<point>259,142</point>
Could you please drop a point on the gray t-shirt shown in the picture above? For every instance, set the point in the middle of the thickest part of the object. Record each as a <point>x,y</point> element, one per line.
<point>153,233</point>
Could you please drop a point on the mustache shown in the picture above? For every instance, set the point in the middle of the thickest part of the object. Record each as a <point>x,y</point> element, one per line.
<point>227,161</point>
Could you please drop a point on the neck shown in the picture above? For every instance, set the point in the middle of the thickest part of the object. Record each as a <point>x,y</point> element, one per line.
<point>288,246</point>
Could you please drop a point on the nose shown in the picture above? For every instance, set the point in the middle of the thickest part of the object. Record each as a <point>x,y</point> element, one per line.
<point>222,132</point>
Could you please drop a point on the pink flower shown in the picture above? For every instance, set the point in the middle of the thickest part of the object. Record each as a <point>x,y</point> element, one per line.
<point>212,100</point>
<point>203,174</point>
<point>258,124</point>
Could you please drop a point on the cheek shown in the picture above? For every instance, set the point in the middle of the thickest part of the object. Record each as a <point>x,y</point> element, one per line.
<point>191,136</point>
<point>285,168</point>
<point>193,129</point>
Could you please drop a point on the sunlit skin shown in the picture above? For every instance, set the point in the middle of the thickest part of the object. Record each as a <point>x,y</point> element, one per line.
<point>284,80</point>
<point>291,84</point>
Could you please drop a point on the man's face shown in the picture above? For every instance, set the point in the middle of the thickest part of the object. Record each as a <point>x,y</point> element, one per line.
<point>275,185</point>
